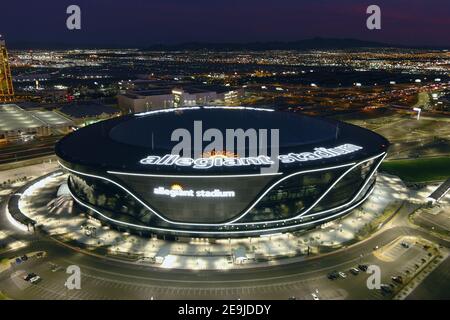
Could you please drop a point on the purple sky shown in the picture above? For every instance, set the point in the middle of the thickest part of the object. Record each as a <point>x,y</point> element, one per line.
<point>144,22</point>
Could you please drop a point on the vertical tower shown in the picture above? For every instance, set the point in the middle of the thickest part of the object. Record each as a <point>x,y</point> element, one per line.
<point>6,86</point>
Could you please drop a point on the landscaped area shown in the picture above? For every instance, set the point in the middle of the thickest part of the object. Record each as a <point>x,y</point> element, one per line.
<point>419,170</point>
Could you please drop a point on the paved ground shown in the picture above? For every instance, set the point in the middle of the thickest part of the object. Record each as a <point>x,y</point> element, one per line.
<point>436,218</point>
<point>107,279</point>
<point>432,287</point>
<point>60,217</point>
<point>409,138</point>
<point>13,178</point>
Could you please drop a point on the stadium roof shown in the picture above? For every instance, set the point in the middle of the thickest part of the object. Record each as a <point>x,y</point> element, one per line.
<point>12,117</point>
<point>123,142</point>
<point>51,118</point>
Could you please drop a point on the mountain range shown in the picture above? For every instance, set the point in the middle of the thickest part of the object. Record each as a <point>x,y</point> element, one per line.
<point>306,44</point>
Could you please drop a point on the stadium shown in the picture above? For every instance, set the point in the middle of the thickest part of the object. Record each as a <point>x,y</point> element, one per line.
<point>303,172</point>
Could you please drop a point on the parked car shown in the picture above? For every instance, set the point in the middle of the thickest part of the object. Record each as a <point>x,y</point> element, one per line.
<point>363,267</point>
<point>354,271</point>
<point>397,279</point>
<point>333,275</point>
<point>342,274</point>
<point>24,257</point>
<point>386,288</point>
<point>315,297</point>
<point>29,276</point>
<point>35,279</point>
<point>405,245</point>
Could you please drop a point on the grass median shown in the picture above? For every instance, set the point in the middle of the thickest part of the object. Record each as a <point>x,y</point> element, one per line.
<point>419,170</point>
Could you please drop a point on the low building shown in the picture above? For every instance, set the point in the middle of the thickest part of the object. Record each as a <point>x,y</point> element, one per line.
<point>84,113</point>
<point>18,124</point>
<point>161,98</point>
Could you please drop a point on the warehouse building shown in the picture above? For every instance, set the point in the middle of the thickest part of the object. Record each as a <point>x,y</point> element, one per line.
<point>17,124</point>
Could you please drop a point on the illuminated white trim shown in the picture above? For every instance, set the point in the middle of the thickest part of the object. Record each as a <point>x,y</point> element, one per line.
<point>120,186</point>
<point>238,108</point>
<point>314,204</point>
<point>354,198</point>
<point>26,192</point>
<point>273,186</point>
<point>165,111</point>
<point>190,232</point>
<point>196,176</point>
<point>146,113</point>
<point>259,199</point>
<point>201,224</point>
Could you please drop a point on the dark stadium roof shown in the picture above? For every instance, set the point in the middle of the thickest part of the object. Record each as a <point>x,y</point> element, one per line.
<point>120,143</point>
<point>155,131</point>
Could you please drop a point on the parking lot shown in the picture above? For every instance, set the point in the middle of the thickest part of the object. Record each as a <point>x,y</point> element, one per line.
<point>97,283</point>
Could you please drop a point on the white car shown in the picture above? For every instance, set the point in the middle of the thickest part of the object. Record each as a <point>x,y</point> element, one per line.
<point>354,271</point>
<point>343,275</point>
<point>35,279</point>
<point>315,297</point>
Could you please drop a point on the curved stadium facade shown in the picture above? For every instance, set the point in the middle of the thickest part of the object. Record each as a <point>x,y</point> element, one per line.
<point>123,171</point>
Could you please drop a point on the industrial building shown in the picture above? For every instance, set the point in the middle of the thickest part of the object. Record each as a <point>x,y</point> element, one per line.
<point>159,98</point>
<point>17,124</point>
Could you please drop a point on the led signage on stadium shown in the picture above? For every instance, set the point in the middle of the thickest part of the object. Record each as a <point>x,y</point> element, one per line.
<point>173,193</point>
<point>205,163</point>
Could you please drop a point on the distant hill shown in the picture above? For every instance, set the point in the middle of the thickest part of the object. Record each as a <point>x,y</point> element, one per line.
<point>307,44</point>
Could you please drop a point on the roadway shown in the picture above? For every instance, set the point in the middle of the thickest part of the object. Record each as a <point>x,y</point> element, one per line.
<point>42,146</point>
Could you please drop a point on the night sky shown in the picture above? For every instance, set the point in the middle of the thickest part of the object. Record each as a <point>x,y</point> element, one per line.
<point>146,22</point>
